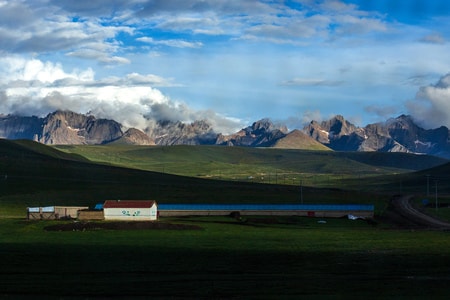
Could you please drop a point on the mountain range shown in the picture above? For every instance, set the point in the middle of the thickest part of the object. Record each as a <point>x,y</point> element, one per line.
<point>399,134</point>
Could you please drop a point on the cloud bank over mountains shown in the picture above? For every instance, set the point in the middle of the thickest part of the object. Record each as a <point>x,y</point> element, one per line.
<point>37,88</point>
<point>431,105</point>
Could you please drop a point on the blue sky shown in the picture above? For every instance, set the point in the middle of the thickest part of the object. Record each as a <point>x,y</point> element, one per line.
<point>229,62</point>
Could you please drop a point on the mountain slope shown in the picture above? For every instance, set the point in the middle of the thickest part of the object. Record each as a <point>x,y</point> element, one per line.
<point>18,127</point>
<point>297,139</point>
<point>134,136</point>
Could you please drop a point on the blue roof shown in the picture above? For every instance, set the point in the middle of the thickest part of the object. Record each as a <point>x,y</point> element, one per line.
<point>241,207</point>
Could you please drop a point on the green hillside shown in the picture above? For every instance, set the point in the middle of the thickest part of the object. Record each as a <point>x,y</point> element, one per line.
<point>267,165</point>
<point>36,175</point>
<point>33,174</point>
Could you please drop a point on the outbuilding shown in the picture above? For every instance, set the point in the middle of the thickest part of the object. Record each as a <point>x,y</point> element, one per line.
<point>130,210</point>
<point>53,212</point>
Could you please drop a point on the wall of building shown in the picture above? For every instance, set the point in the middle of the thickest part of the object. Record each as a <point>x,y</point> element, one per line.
<point>68,211</point>
<point>304,213</point>
<point>85,215</point>
<point>131,214</point>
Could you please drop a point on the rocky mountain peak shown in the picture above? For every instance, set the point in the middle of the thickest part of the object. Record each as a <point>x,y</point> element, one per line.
<point>326,132</point>
<point>66,127</point>
<point>178,133</point>
<point>265,125</point>
<point>262,133</point>
<point>338,126</point>
<point>315,130</point>
<point>402,121</point>
<point>70,118</point>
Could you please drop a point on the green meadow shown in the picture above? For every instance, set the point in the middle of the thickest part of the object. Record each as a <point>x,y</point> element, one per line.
<point>263,165</point>
<point>226,258</point>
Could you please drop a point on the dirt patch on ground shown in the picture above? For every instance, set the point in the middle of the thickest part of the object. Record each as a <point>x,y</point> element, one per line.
<point>83,226</point>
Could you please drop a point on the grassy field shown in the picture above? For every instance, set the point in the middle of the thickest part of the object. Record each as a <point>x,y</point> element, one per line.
<point>226,259</point>
<point>275,166</point>
<point>253,258</point>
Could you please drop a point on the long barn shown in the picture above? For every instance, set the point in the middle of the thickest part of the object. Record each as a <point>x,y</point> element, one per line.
<point>310,210</point>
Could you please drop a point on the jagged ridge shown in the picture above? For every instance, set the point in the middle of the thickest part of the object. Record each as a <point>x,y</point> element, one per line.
<point>399,134</point>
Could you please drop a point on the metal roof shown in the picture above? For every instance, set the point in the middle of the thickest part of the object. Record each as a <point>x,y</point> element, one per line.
<point>41,209</point>
<point>272,207</point>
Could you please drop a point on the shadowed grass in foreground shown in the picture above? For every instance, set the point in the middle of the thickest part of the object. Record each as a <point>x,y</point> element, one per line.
<point>227,258</point>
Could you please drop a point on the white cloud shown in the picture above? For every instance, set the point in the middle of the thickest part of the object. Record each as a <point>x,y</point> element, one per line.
<point>92,30</point>
<point>149,79</point>
<point>257,20</point>
<point>348,25</point>
<point>311,82</point>
<point>384,111</point>
<point>434,38</point>
<point>37,88</point>
<point>40,27</point>
<point>171,43</point>
<point>431,106</point>
<point>299,122</point>
<point>45,86</point>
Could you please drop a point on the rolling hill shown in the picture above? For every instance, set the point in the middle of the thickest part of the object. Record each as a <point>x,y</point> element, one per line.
<point>297,139</point>
<point>242,162</point>
<point>32,174</point>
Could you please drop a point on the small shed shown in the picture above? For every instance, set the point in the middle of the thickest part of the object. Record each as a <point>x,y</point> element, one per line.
<point>130,210</point>
<point>53,212</point>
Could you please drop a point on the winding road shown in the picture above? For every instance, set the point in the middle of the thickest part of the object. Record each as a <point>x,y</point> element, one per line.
<point>402,205</point>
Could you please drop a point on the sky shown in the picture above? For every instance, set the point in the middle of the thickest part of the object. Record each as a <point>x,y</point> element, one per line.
<point>228,62</point>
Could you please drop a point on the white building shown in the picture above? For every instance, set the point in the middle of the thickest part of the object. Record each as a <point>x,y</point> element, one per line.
<point>130,210</point>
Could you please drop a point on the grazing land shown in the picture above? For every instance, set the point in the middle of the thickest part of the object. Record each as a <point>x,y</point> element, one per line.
<point>217,257</point>
<point>263,165</point>
<point>283,258</point>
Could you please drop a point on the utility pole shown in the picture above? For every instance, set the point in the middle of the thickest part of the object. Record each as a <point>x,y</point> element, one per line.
<point>428,184</point>
<point>436,196</point>
<point>301,191</point>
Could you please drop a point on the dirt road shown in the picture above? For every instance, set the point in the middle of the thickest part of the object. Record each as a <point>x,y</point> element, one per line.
<point>402,206</point>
